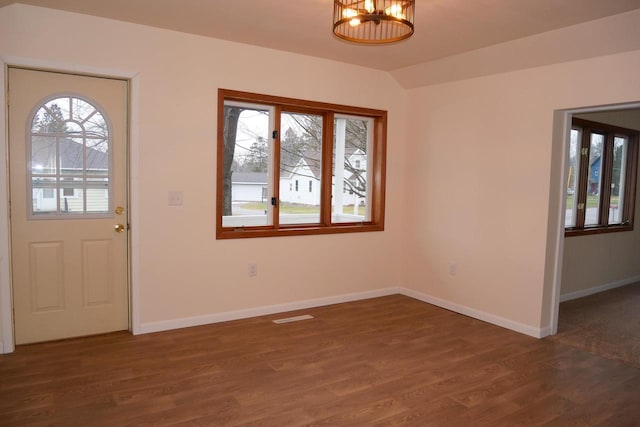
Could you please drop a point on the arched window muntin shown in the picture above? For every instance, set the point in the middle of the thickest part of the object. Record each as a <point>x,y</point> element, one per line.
<point>69,161</point>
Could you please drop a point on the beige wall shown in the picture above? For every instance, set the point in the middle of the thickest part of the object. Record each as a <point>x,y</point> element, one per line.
<point>603,259</point>
<point>181,270</point>
<point>480,169</point>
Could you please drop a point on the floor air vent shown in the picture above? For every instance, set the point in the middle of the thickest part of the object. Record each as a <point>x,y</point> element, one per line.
<point>293,319</point>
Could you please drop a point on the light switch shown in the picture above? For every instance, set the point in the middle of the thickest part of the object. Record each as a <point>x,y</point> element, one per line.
<point>175,198</point>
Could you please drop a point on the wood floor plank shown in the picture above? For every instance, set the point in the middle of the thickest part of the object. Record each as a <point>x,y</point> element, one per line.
<point>435,412</point>
<point>537,413</point>
<point>390,361</point>
<point>606,324</point>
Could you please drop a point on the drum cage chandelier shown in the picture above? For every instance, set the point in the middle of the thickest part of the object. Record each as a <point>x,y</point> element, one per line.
<point>373,21</point>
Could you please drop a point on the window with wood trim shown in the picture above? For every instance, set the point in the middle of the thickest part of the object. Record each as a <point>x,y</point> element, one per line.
<point>338,150</point>
<point>601,184</point>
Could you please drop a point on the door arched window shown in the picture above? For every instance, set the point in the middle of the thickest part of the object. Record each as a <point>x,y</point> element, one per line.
<point>69,165</point>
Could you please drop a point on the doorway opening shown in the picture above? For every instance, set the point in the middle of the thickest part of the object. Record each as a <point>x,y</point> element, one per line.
<point>590,264</point>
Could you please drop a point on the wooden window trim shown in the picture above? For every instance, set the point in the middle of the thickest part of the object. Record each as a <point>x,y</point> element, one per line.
<point>328,111</point>
<point>610,132</point>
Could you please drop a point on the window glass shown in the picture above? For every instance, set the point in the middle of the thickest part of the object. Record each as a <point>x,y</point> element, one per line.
<point>618,178</point>
<point>97,192</point>
<point>69,144</point>
<point>71,197</point>
<point>246,167</point>
<point>272,178</point>
<point>300,161</point>
<point>44,194</point>
<point>350,194</point>
<point>573,178</point>
<point>602,176</point>
<point>594,179</point>
<point>44,158</point>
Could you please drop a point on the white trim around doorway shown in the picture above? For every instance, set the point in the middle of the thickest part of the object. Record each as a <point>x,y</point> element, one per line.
<point>555,241</point>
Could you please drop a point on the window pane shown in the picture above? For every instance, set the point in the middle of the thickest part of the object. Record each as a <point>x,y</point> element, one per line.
<point>71,196</point>
<point>96,126</point>
<point>301,166</point>
<point>594,180</point>
<point>43,195</point>
<point>97,195</point>
<point>573,178</point>
<point>299,147</point>
<point>620,146</point>
<point>51,117</point>
<point>97,161</point>
<point>71,156</point>
<point>43,155</point>
<point>81,110</point>
<point>91,119</point>
<point>246,157</point>
<point>350,194</point>
<point>58,109</point>
<point>72,129</point>
<point>70,146</point>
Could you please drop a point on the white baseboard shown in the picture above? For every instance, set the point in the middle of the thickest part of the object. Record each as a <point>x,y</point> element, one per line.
<point>477,314</point>
<point>206,319</point>
<point>7,346</point>
<point>545,332</point>
<point>186,322</point>
<point>597,289</point>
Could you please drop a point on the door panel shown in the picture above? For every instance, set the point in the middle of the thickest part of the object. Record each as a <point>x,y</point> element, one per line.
<point>46,279</point>
<point>67,159</point>
<point>96,272</point>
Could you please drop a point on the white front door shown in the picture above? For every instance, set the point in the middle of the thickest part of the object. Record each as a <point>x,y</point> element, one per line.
<point>68,204</point>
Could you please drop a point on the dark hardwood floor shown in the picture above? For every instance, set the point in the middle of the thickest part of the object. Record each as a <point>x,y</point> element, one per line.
<point>606,324</point>
<point>381,362</point>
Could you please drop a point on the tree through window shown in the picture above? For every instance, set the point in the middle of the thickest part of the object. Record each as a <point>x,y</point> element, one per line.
<point>322,166</point>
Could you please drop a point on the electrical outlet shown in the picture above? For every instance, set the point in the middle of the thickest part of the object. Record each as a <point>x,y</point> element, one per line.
<point>453,268</point>
<point>175,198</point>
<point>253,269</point>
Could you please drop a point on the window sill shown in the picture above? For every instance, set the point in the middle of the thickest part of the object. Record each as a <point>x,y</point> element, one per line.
<point>231,233</point>
<point>569,232</point>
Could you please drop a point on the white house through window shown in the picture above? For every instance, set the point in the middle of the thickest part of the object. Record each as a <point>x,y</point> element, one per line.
<point>336,153</point>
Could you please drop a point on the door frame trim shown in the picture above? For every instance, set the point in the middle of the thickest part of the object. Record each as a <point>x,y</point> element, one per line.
<point>6,302</point>
<point>7,343</point>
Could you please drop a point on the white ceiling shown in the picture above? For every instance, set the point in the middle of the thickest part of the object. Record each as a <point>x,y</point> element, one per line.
<point>442,27</point>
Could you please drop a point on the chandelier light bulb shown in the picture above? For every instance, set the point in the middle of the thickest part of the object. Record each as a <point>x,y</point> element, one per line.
<point>369,6</point>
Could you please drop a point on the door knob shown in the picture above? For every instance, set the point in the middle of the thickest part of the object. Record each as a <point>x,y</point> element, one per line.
<point>119,228</point>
